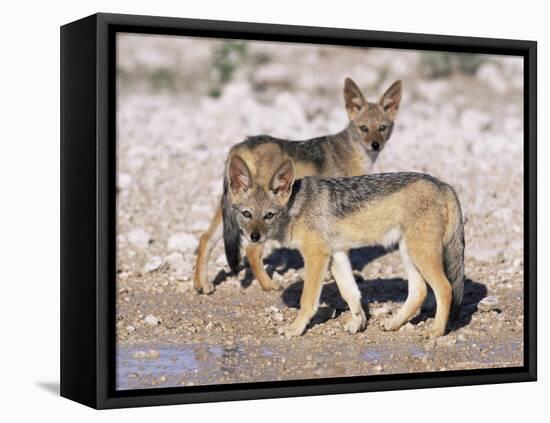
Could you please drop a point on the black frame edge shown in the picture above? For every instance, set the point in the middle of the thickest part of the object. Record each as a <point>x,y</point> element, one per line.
<point>78,216</point>
<point>530,202</point>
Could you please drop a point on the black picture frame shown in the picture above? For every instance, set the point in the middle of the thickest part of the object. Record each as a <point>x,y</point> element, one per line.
<point>88,137</point>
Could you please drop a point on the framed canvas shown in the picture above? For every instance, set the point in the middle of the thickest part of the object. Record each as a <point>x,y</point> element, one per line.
<point>207,255</point>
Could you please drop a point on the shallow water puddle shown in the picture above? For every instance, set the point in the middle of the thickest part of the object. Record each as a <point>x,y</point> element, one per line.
<point>143,366</point>
<point>163,366</point>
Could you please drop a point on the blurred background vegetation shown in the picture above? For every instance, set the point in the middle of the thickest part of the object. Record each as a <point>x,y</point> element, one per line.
<point>189,67</point>
<point>441,64</point>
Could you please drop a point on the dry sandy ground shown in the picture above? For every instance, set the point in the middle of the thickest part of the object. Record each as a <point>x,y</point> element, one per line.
<point>463,129</point>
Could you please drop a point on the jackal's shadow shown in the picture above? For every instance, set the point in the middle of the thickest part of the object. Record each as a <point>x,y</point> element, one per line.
<point>283,259</point>
<point>383,290</point>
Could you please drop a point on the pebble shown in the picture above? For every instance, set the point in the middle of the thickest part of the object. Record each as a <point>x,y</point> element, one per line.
<point>152,264</point>
<point>518,263</point>
<point>385,309</point>
<point>124,180</point>
<point>146,354</point>
<point>174,260</point>
<point>182,242</point>
<point>151,320</point>
<point>130,329</point>
<point>488,303</point>
<point>139,237</point>
<point>407,327</point>
<point>277,277</point>
<point>446,341</point>
<point>182,269</point>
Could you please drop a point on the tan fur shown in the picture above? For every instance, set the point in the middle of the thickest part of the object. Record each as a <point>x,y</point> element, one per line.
<point>254,254</point>
<point>316,253</point>
<point>206,243</point>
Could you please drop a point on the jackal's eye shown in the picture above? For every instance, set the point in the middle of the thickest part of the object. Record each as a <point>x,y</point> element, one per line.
<point>382,128</point>
<point>364,128</point>
<point>268,216</point>
<point>247,214</point>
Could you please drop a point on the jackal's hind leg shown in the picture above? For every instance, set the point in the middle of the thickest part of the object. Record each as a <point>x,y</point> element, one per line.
<point>417,292</point>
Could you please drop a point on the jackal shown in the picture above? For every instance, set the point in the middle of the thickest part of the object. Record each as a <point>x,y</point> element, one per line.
<point>325,217</point>
<point>352,151</point>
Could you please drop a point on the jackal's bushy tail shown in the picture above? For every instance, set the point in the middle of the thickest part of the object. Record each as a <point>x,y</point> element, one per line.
<point>453,251</point>
<point>231,231</point>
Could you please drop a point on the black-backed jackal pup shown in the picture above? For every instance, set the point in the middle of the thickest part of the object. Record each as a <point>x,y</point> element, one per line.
<point>325,217</point>
<point>352,151</point>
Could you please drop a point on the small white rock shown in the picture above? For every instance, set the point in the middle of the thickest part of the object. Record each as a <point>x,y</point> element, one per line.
<point>130,329</point>
<point>181,268</point>
<point>124,180</point>
<point>385,309</point>
<point>139,237</point>
<point>152,264</point>
<point>407,327</point>
<point>277,277</point>
<point>488,303</point>
<point>146,354</point>
<point>174,260</point>
<point>151,320</point>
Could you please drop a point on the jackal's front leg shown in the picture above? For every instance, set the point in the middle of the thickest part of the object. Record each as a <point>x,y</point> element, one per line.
<point>316,257</point>
<point>254,254</point>
<point>207,242</point>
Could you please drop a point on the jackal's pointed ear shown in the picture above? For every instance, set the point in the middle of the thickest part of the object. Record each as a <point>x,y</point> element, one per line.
<point>283,179</point>
<point>391,99</point>
<point>353,97</point>
<point>238,173</point>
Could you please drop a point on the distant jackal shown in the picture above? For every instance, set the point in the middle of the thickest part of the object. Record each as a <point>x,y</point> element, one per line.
<point>350,152</point>
<point>325,217</point>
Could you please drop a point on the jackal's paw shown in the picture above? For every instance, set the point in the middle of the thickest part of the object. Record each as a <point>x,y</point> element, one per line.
<point>272,286</point>
<point>435,333</point>
<point>206,288</point>
<point>355,323</point>
<point>390,324</point>
<point>290,331</point>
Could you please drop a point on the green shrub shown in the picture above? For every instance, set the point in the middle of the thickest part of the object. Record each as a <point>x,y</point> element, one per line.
<point>442,64</point>
<point>226,58</point>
